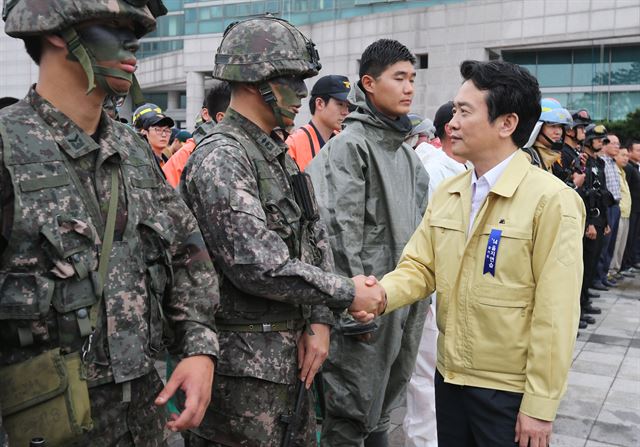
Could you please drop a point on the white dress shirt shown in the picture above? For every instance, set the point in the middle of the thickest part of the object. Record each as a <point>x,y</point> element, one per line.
<point>480,187</point>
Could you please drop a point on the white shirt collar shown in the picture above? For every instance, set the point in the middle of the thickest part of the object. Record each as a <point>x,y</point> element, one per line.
<point>493,175</point>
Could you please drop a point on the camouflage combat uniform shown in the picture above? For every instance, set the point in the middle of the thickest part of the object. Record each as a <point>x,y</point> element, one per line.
<point>266,268</point>
<point>160,291</point>
<point>275,266</point>
<point>160,279</point>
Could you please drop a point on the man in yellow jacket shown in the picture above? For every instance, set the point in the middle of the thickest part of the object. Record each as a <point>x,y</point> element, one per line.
<point>502,246</point>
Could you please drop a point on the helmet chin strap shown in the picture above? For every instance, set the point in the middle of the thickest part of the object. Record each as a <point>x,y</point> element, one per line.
<point>554,145</point>
<point>96,73</point>
<point>267,95</point>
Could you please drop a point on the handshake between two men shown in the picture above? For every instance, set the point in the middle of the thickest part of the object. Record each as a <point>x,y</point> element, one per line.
<point>370,299</point>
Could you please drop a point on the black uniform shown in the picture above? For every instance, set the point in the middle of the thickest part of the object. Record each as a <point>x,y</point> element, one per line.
<point>568,164</point>
<point>597,199</point>
<point>631,253</point>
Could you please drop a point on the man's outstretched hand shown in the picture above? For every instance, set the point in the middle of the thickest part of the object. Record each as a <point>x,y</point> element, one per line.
<point>370,300</point>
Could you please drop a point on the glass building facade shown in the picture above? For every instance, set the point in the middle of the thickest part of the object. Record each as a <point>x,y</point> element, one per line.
<point>193,17</point>
<point>603,79</point>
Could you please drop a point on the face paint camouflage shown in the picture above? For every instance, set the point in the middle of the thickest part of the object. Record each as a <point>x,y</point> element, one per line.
<point>288,91</point>
<point>109,44</point>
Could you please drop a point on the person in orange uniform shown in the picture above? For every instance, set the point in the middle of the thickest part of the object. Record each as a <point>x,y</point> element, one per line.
<point>329,107</point>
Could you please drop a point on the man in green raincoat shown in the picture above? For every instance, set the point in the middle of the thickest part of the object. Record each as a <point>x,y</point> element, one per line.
<point>372,191</point>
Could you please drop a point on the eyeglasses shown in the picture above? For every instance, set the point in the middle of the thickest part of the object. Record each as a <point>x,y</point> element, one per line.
<point>162,131</point>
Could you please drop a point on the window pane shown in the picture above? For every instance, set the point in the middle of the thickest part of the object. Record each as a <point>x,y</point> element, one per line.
<point>562,98</point>
<point>173,5</point>
<point>625,65</point>
<point>524,59</point>
<point>589,69</point>
<point>159,99</point>
<point>595,103</point>
<point>622,103</point>
<point>554,68</point>
<point>190,14</point>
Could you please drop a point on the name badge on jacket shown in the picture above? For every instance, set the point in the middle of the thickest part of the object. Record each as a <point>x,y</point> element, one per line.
<point>492,252</point>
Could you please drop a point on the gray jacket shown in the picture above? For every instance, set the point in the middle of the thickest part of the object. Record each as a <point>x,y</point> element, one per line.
<point>371,188</point>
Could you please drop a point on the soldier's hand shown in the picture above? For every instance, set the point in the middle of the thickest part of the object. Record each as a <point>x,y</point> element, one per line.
<point>607,230</point>
<point>312,351</point>
<point>370,300</point>
<point>194,376</point>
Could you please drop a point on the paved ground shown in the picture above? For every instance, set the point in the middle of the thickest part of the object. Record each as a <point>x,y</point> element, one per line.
<point>602,404</point>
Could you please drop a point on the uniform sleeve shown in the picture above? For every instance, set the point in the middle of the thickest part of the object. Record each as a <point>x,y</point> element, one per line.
<point>320,313</point>
<point>414,276</point>
<point>221,189</point>
<point>557,269</point>
<point>338,174</point>
<point>194,296</point>
<point>6,202</point>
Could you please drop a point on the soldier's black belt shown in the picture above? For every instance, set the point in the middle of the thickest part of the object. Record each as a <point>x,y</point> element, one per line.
<point>281,326</point>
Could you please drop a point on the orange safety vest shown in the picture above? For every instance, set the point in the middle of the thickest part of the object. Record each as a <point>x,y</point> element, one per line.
<point>175,165</point>
<point>303,145</point>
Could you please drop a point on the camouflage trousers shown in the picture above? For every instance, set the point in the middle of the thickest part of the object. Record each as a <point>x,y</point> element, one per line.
<point>137,423</point>
<point>364,381</point>
<point>246,412</point>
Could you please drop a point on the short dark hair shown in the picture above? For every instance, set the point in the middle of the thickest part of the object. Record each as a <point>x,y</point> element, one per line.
<point>382,54</point>
<point>312,102</point>
<point>510,89</point>
<point>631,142</point>
<point>217,99</point>
<point>33,45</point>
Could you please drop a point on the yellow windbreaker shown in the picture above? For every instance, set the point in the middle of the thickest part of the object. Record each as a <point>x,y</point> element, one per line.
<point>514,327</point>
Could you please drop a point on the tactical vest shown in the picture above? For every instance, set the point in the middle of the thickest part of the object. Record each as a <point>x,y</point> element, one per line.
<point>284,216</point>
<point>48,271</point>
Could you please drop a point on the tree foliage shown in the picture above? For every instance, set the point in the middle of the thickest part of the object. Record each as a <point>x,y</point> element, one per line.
<point>626,129</point>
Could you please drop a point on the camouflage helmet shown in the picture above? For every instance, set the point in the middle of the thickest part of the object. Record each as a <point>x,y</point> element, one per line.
<point>258,49</point>
<point>25,18</point>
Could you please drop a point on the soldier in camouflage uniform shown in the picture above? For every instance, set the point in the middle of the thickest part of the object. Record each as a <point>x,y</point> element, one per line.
<point>262,229</point>
<point>100,260</point>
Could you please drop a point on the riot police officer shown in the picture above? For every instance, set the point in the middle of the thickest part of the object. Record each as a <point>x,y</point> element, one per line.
<point>597,199</point>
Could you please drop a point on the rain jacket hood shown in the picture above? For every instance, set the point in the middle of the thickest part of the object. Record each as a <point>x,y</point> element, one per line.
<point>366,112</point>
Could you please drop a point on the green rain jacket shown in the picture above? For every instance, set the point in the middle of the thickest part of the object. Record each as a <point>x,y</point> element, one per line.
<point>371,188</point>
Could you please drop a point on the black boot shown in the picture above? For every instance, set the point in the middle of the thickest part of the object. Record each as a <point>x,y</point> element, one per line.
<point>377,439</point>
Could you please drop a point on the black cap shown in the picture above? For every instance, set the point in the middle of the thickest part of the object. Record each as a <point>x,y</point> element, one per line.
<point>443,116</point>
<point>335,86</point>
<point>148,115</point>
<point>157,120</point>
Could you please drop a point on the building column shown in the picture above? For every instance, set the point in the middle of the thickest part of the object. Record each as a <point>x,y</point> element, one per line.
<point>195,96</point>
<point>173,100</point>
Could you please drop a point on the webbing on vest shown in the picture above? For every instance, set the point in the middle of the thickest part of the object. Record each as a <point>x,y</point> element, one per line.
<point>107,243</point>
<point>313,151</point>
